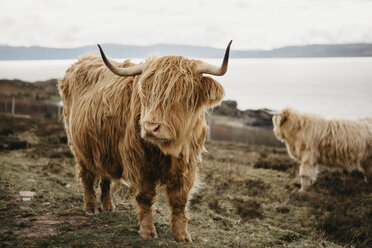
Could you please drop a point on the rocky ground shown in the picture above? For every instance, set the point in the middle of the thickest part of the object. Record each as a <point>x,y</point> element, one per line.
<point>247,198</point>
<point>249,117</point>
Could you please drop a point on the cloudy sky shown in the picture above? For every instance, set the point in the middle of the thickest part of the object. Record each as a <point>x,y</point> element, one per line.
<point>252,24</point>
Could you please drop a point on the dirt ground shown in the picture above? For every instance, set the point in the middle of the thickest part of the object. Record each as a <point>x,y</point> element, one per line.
<point>247,198</point>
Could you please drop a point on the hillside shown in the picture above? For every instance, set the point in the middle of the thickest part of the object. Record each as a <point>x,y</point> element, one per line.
<point>21,89</point>
<point>131,51</point>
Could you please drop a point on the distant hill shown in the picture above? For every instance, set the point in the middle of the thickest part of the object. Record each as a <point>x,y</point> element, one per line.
<point>129,51</point>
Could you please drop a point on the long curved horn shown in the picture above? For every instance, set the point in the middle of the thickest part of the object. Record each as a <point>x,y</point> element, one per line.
<point>130,71</point>
<point>215,70</point>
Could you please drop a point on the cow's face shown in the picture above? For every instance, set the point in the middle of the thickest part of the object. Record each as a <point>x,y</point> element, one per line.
<point>278,119</point>
<point>286,125</point>
<point>173,94</point>
<point>174,97</point>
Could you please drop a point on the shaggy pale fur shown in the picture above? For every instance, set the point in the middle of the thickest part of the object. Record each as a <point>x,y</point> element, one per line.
<point>313,141</point>
<point>104,116</point>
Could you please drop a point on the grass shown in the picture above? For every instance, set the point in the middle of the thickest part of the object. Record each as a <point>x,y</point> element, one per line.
<point>247,198</point>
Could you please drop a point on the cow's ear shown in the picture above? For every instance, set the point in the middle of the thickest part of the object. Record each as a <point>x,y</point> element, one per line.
<point>213,92</point>
<point>284,117</point>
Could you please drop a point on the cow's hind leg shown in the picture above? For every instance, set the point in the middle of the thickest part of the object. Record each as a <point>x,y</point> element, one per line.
<point>145,198</point>
<point>106,202</point>
<point>308,175</point>
<point>88,180</point>
<point>366,168</point>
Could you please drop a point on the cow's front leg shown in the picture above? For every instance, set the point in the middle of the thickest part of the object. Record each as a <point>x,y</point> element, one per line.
<point>178,199</point>
<point>145,198</point>
<point>178,194</point>
<point>308,175</point>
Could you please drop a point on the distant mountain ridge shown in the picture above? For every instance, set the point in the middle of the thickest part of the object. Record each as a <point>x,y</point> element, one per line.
<point>131,51</point>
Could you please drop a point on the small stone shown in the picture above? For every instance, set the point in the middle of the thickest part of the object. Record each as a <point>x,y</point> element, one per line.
<point>26,199</point>
<point>27,194</point>
<point>68,185</point>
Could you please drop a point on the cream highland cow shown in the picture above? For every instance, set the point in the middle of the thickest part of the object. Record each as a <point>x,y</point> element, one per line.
<point>313,140</point>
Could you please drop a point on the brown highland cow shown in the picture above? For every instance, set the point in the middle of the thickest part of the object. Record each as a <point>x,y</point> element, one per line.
<point>313,140</point>
<point>145,125</point>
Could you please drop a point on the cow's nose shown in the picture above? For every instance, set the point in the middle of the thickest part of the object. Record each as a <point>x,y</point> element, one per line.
<point>152,129</point>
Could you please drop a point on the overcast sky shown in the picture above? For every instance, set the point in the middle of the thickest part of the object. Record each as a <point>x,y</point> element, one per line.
<point>252,24</point>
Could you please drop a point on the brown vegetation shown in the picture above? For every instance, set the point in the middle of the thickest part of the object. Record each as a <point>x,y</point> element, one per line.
<point>239,202</point>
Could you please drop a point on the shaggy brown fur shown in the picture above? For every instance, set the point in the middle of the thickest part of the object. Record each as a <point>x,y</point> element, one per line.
<point>312,140</point>
<point>104,116</point>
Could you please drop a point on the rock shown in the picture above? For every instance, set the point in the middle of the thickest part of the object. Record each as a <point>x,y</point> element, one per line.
<point>259,117</point>
<point>228,108</point>
<point>27,193</point>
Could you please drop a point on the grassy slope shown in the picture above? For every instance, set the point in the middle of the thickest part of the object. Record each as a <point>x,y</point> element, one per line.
<point>247,198</point>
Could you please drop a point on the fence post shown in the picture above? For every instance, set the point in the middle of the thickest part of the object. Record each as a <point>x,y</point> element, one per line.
<point>13,106</point>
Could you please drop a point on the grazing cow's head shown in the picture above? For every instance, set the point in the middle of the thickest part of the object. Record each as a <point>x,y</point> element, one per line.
<point>174,94</point>
<point>286,124</point>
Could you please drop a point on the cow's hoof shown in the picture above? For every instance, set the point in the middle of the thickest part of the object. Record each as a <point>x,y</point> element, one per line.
<point>184,238</point>
<point>108,207</point>
<point>148,235</point>
<point>91,211</point>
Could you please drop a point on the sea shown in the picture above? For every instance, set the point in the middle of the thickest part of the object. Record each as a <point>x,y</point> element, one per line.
<point>330,87</point>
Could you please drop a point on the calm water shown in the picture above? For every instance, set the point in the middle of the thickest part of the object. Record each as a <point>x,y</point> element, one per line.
<point>331,87</point>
